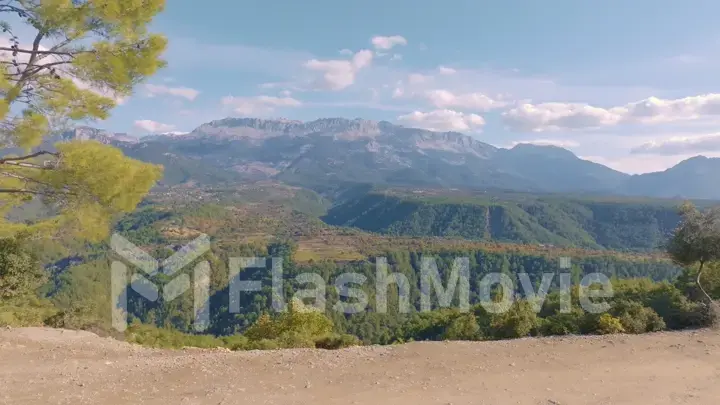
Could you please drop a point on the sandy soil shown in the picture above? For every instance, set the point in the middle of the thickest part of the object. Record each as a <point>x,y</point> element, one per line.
<point>46,366</point>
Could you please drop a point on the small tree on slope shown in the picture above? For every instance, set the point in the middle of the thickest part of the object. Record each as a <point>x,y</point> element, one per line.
<point>697,241</point>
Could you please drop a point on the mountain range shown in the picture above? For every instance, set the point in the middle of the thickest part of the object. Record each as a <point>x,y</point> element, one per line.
<point>329,151</point>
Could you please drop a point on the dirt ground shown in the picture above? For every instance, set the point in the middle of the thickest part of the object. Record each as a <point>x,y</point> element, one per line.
<point>46,366</point>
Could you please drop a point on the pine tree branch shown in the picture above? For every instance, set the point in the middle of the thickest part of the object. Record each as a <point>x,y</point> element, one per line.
<point>30,156</point>
<point>26,165</point>
<point>40,52</point>
<point>20,191</point>
<point>23,178</point>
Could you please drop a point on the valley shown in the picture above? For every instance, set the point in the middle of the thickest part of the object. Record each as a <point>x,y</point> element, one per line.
<point>332,196</point>
<point>358,203</point>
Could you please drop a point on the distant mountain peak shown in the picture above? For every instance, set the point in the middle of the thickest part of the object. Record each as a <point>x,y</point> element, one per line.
<point>547,150</point>
<point>334,149</point>
<point>85,133</point>
<point>259,128</point>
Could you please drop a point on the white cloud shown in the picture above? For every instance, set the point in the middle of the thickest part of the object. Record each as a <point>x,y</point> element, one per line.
<point>345,52</point>
<point>443,120</point>
<point>153,126</point>
<point>285,93</point>
<point>339,74</point>
<point>680,145</point>
<point>417,78</point>
<point>63,70</point>
<point>569,116</point>
<point>396,56</point>
<point>470,101</point>
<point>444,70</point>
<point>550,142</point>
<point>387,43</point>
<point>655,109</point>
<point>260,105</point>
<point>158,89</point>
<point>555,116</point>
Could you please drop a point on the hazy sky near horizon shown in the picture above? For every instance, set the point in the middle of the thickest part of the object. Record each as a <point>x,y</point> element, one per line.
<point>630,84</point>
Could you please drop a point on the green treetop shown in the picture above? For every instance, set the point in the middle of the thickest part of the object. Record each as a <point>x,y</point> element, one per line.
<point>82,58</point>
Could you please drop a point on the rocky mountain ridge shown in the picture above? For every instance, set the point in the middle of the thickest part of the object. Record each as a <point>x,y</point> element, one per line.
<point>338,150</point>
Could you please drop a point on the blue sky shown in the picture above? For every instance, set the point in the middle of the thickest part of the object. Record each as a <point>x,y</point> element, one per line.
<point>631,84</point>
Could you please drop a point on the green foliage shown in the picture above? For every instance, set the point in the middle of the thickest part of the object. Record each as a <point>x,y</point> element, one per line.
<point>20,272</point>
<point>696,240</point>
<point>299,326</point>
<point>173,339</point>
<point>643,298</point>
<point>80,315</point>
<point>519,321</point>
<point>337,341</point>
<point>697,237</point>
<point>608,324</point>
<point>635,318</point>
<point>561,221</point>
<point>563,323</point>
<point>102,50</point>
<point>463,327</point>
<point>439,325</point>
<point>25,311</point>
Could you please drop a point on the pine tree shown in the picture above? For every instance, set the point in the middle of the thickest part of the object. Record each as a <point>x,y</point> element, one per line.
<point>83,57</point>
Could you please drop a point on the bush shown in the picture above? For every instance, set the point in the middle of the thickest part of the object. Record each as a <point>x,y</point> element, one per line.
<point>636,318</point>
<point>235,342</point>
<point>517,322</point>
<point>300,326</point>
<point>665,299</point>
<point>20,273</point>
<point>80,316</point>
<point>608,324</point>
<point>464,327</point>
<point>152,336</point>
<point>28,311</point>
<point>563,323</point>
<point>337,341</point>
<point>263,344</point>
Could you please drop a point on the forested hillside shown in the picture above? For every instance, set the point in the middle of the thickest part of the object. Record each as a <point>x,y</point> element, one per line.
<point>276,221</point>
<point>595,223</point>
<point>85,286</point>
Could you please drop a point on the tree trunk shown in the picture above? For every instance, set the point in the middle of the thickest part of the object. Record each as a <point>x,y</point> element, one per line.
<point>713,306</point>
<point>699,284</point>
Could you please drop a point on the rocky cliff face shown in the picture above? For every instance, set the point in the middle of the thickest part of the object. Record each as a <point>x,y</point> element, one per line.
<point>332,150</point>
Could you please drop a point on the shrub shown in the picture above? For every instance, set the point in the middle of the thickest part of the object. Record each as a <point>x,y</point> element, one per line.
<point>563,323</point>
<point>517,322</point>
<point>152,336</point>
<point>337,341</point>
<point>79,316</point>
<point>263,344</point>
<point>636,318</point>
<point>300,326</point>
<point>28,311</point>
<point>20,273</point>
<point>463,327</point>
<point>608,324</point>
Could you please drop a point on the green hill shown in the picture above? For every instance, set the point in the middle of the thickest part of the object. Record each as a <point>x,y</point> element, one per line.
<point>618,224</point>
